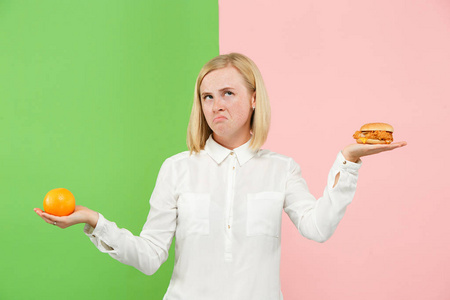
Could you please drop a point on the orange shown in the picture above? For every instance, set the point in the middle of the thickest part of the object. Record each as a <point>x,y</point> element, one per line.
<point>59,202</point>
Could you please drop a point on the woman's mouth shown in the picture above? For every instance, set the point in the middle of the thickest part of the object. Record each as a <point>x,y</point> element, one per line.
<point>219,118</point>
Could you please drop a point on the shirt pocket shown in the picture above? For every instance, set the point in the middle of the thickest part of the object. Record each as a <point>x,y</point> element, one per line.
<point>264,211</point>
<point>193,214</point>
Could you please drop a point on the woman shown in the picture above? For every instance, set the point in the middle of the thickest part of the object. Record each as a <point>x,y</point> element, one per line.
<point>223,199</point>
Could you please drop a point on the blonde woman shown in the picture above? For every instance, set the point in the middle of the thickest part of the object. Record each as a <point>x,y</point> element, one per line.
<point>223,199</point>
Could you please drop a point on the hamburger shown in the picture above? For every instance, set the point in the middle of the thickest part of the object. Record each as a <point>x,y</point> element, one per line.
<point>374,133</point>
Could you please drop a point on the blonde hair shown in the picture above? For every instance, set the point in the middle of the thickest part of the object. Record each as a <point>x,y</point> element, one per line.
<point>198,130</point>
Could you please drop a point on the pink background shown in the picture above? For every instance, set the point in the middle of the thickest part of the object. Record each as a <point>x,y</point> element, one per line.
<point>331,66</point>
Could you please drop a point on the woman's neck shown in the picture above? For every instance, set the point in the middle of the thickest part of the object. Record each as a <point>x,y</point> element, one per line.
<point>231,142</point>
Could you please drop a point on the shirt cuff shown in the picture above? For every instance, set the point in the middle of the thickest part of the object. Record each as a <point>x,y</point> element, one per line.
<point>345,165</point>
<point>99,228</point>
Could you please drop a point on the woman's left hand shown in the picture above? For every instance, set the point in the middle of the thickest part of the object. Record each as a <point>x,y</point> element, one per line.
<point>354,151</point>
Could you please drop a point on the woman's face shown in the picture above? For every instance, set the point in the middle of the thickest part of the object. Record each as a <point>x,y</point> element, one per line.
<point>227,104</point>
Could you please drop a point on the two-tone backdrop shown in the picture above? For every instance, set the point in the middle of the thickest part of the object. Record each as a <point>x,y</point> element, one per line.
<point>94,95</point>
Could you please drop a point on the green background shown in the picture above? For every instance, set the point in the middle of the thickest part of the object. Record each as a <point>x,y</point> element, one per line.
<point>94,95</point>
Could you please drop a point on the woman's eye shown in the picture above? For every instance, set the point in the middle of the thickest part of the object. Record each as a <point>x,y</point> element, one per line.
<point>228,92</point>
<point>206,97</point>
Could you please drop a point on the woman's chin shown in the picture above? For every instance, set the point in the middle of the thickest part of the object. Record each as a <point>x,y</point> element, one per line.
<point>221,130</point>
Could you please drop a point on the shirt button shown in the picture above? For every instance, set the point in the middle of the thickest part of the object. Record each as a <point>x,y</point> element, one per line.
<point>228,226</point>
<point>233,168</point>
<point>232,153</point>
<point>344,162</point>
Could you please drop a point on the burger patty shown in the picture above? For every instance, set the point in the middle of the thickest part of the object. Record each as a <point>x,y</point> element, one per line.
<point>377,134</point>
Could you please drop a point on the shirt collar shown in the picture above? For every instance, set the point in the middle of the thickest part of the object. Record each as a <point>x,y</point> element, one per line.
<point>219,152</point>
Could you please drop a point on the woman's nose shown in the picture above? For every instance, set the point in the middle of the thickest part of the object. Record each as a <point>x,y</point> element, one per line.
<point>218,105</point>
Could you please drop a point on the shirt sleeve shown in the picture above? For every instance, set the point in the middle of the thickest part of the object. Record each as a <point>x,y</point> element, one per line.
<point>149,250</point>
<point>318,219</point>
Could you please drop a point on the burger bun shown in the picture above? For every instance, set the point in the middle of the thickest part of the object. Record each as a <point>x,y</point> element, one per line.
<point>377,126</point>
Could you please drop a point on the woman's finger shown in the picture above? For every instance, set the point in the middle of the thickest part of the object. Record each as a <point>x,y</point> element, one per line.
<point>360,150</point>
<point>400,144</point>
<point>386,147</point>
<point>38,211</point>
<point>50,219</point>
<point>47,220</point>
<point>63,221</point>
<point>40,214</point>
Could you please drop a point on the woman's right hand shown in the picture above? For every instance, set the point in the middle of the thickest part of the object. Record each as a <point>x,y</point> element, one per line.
<point>80,215</point>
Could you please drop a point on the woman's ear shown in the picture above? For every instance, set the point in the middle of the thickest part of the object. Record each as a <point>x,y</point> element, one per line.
<point>254,100</point>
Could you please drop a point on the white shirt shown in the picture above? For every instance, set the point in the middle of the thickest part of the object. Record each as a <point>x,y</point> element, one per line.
<point>224,208</point>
